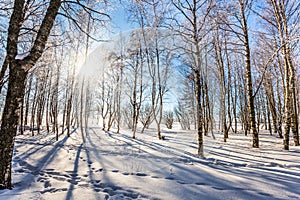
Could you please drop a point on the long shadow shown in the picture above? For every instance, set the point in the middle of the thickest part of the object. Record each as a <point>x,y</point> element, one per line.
<point>95,183</point>
<point>105,185</point>
<point>34,142</point>
<point>279,178</point>
<point>214,181</point>
<point>74,174</point>
<point>171,151</point>
<point>219,184</point>
<point>41,163</point>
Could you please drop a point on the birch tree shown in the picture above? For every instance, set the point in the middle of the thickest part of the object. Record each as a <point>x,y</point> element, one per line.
<point>283,18</point>
<point>190,22</point>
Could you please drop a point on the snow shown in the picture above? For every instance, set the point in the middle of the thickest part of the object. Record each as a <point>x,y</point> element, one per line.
<point>22,56</point>
<point>115,166</point>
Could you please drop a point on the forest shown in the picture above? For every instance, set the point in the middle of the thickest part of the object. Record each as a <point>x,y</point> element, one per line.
<point>212,70</point>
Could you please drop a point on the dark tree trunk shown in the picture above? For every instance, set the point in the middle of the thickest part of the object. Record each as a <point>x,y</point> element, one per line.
<point>199,113</point>
<point>21,119</point>
<point>33,108</point>
<point>14,98</point>
<point>269,116</point>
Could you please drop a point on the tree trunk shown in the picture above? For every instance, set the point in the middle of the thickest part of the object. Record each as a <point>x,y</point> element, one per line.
<point>287,111</point>
<point>294,115</point>
<point>271,103</point>
<point>21,119</point>
<point>33,108</point>
<point>250,97</point>
<point>199,113</point>
<point>269,116</point>
<point>48,103</point>
<point>120,80</point>
<point>13,102</point>
<point>27,101</point>
<point>81,110</point>
<point>234,104</point>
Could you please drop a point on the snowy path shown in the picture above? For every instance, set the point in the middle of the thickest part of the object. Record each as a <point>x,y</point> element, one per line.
<point>115,166</point>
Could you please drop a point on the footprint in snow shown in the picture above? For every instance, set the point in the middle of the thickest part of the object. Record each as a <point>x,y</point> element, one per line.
<point>141,174</point>
<point>155,177</point>
<point>83,185</point>
<point>109,191</point>
<point>169,178</point>
<point>54,173</point>
<point>47,184</point>
<point>264,194</point>
<point>181,182</point>
<point>73,174</point>
<point>17,158</point>
<point>53,190</point>
<point>96,181</point>
<point>20,171</point>
<point>50,169</point>
<point>99,185</point>
<point>41,179</point>
<point>199,183</point>
<point>218,188</point>
<point>59,178</point>
<point>75,182</point>
<point>99,170</point>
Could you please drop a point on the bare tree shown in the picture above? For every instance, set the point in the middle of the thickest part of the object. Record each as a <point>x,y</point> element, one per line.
<point>18,70</point>
<point>21,56</point>
<point>192,27</point>
<point>283,18</point>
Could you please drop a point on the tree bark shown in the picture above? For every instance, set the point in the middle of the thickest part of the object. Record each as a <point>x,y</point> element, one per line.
<point>199,113</point>
<point>14,98</point>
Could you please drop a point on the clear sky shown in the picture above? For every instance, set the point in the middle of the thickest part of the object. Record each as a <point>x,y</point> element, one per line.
<point>119,20</point>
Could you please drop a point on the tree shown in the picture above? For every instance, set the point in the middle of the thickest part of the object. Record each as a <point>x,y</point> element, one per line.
<point>190,22</point>
<point>282,17</point>
<point>25,46</point>
<point>18,70</point>
<point>283,11</point>
<point>250,97</point>
<point>145,116</point>
<point>169,119</point>
<point>238,25</point>
<point>135,68</point>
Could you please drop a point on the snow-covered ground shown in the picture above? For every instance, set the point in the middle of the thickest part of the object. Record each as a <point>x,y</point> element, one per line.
<point>115,166</point>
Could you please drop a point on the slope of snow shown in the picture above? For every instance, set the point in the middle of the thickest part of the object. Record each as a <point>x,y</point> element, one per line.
<point>115,166</point>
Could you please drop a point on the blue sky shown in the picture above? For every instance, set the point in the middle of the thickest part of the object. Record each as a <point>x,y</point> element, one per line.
<point>119,20</point>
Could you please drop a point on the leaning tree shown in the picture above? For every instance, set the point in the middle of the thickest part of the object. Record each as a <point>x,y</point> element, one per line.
<point>19,60</point>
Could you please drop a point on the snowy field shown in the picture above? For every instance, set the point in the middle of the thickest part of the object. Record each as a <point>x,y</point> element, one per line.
<point>115,166</point>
